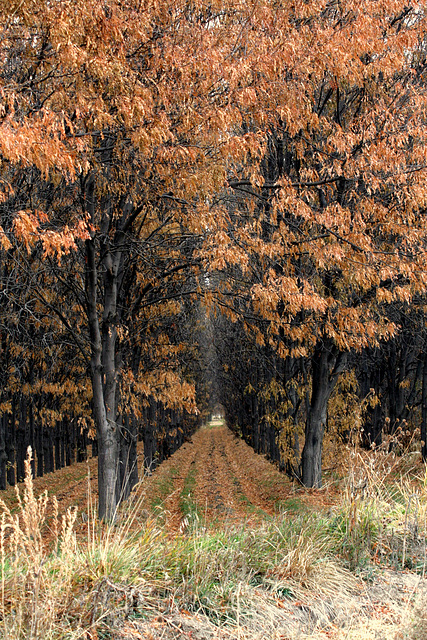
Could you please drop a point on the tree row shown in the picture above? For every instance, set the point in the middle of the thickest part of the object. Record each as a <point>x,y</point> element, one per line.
<point>163,161</point>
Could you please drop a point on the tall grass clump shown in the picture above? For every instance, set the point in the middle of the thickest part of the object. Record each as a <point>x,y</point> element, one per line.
<point>55,587</point>
<point>219,572</point>
<point>36,570</point>
<point>383,513</point>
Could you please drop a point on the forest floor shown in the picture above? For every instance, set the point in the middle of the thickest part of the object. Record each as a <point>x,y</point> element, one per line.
<point>266,559</point>
<point>216,477</point>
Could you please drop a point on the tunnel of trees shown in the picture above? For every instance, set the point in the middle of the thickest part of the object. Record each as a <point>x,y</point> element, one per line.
<point>210,203</point>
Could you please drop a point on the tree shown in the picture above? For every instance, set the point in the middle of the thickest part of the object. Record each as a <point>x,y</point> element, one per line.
<point>128,122</point>
<point>335,209</point>
<point>123,110</point>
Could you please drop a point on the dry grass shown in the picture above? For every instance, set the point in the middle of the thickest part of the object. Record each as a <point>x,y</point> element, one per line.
<point>384,509</point>
<point>54,586</point>
<point>32,602</point>
<point>314,575</point>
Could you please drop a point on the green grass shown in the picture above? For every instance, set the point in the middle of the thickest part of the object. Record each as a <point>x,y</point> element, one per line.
<point>244,500</point>
<point>187,504</point>
<point>293,506</point>
<point>164,486</point>
<point>54,591</point>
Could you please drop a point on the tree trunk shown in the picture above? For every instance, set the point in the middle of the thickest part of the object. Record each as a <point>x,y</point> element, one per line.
<point>67,445</point>
<point>128,468</point>
<point>102,369</point>
<point>424,412</point>
<point>57,439</point>
<point>39,440</point>
<point>327,364</point>
<point>20,440</point>
<point>94,448</point>
<point>32,438</point>
<point>105,358</point>
<point>73,441</point>
<point>48,450</point>
<point>3,456</point>
<point>11,446</point>
<point>315,427</point>
<point>148,438</point>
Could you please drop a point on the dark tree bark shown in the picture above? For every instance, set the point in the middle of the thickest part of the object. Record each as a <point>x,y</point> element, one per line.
<point>149,439</point>
<point>32,438</point>
<point>327,364</point>
<point>63,443</point>
<point>3,455</point>
<point>48,456</point>
<point>133,454</point>
<point>103,373</point>
<point>372,378</point>
<point>21,443</point>
<point>39,443</point>
<point>57,440</point>
<point>67,443</point>
<point>128,454</point>
<point>424,411</point>
<point>73,441</point>
<point>102,293</point>
<point>11,446</point>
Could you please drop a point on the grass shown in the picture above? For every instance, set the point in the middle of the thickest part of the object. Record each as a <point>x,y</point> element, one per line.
<point>243,499</point>
<point>187,504</point>
<point>383,513</point>
<point>293,506</point>
<point>301,571</point>
<point>59,588</point>
<point>164,485</point>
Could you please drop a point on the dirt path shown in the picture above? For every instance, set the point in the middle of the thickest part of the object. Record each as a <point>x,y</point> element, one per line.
<point>182,462</point>
<point>217,478</point>
<point>215,491</point>
<point>214,480</point>
<point>215,475</point>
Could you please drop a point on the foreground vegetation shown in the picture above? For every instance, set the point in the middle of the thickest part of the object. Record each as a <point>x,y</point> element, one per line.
<point>352,571</point>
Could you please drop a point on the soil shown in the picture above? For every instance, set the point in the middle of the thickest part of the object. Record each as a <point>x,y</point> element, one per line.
<point>230,482</point>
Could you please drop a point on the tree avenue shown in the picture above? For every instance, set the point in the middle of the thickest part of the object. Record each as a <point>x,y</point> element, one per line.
<point>268,156</point>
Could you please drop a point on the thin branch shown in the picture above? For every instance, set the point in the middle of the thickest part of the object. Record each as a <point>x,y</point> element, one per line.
<point>270,185</point>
